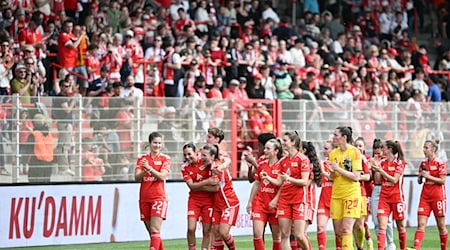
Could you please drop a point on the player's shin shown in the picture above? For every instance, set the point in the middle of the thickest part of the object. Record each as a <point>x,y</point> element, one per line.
<point>418,238</point>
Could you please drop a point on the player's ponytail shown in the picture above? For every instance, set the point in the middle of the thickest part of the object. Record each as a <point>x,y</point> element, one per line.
<point>434,144</point>
<point>347,131</point>
<point>310,152</point>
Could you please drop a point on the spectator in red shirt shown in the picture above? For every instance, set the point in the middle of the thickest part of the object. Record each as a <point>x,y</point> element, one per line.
<point>68,44</point>
<point>32,36</point>
<point>183,21</point>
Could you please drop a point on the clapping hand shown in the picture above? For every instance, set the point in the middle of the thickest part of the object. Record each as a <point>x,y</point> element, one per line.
<point>263,175</point>
<point>213,180</point>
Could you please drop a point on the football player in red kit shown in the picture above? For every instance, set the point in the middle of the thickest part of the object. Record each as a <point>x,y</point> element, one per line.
<point>292,199</point>
<point>432,173</point>
<point>226,202</point>
<point>262,193</point>
<point>315,178</point>
<point>392,197</point>
<point>202,184</point>
<point>151,171</point>
<point>361,228</point>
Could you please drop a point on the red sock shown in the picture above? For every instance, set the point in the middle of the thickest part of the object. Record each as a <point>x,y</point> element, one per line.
<point>444,240</point>
<point>191,247</point>
<point>218,245</point>
<point>155,241</point>
<point>381,238</point>
<point>258,243</point>
<point>294,244</point>
<point>322,240</point>
<point>230,243</point>
<point>338,243</point>
<point>276,245</point>
<point>402,239</point>
<point>418,238</point>
<point>308,242</point>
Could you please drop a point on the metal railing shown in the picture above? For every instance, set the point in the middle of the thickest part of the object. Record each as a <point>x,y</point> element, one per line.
<point>114,135</point>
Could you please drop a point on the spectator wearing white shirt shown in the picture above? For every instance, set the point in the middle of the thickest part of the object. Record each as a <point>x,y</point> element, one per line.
<point>297,57</point>
<point>270,13</point>
<point>337,46</point>
<point>385,20</point>
<point>419,82</point>
<point>398,25</point>
<point>202,18</point>
<point>131,91</point>
<point>155,53</point>
<point>175,6</point>
<point>267,83</point>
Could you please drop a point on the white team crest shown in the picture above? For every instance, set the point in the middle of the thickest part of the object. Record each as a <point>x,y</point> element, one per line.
<point>266,182</point>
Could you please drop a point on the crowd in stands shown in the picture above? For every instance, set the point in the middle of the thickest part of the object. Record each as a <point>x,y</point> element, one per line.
<point>337,51</point>
<point>364,45</point>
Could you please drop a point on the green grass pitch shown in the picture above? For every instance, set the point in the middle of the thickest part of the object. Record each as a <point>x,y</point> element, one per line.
<point>431,242</point>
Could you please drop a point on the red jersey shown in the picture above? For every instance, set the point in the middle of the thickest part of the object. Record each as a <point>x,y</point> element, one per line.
<point>432,191</point>
<point>389,191</point>
<point>225,197</point>
<point>58,5</point>
<point>91,173</point>
<point>294,167</point>
<point>219,55</point>
<point>93,63</point>
<point>311,190</point>
<point>70,4</point>
<point>180,23</point>
<point>368,185</point>
<point>365,170</point>
<point>67,55</point>
<point>31,37</point>
<point>197,173</point>
<point>267,191</point>
<point>134,49</point>
<point>327,185</point>
<point>153,189</point>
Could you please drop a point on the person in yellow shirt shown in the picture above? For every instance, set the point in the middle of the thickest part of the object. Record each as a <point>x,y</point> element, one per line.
<point>345,163</point>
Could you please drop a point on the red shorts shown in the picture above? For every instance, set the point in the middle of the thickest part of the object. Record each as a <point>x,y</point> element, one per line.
<point>439,208</point>
<point>323,208</point>
<point>228,216</point>
<point>153,209</point>
<point>262,215</point>
<point>295,211</point>
<point>200,209</point>
<point>397,208</point>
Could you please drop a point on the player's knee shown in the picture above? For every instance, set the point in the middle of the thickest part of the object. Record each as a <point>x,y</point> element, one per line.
<point>321,228</point>
<point>206,229</point>
<point>224,234</point>
<point>300,237</point>
<point>442,228</point>
<point>191,230</point>
<point>421,225</point>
